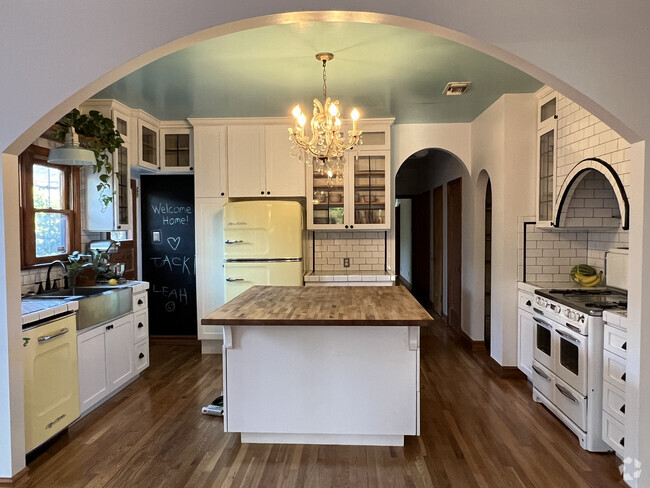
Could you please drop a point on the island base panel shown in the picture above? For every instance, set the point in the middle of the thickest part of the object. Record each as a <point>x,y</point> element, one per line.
<point>324,439</point>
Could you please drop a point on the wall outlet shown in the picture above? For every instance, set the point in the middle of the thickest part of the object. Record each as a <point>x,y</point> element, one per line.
<point>346,262</point>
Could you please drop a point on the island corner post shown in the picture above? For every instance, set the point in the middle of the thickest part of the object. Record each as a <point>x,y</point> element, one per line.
<point>322,365</point>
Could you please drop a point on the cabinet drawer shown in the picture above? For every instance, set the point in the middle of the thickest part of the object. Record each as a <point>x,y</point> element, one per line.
<point>142,356</point>
<point>526,301</point>
<point>614,402</point>
<point>140,302</point>
<point>572,403</point>
<point>614,369</point>
<point>543,380</point>
<point>614,434</point>
<point>140,326</point>
<point>615,341</point>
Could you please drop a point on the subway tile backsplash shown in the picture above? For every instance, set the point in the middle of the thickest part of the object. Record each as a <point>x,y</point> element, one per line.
<point>365,250</point>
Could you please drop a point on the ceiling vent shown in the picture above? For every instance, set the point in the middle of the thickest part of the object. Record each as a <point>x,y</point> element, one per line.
<point>456,87</point>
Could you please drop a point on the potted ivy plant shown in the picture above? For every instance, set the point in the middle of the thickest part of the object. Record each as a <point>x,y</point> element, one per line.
<point>98,134</point>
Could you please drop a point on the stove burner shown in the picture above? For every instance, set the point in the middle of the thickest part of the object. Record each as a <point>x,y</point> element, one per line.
<point>607,306</point>
<point>579,292</point>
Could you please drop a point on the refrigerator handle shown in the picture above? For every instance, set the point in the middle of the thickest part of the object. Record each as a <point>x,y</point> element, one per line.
<point>228,241</point>
<point>234,279</point>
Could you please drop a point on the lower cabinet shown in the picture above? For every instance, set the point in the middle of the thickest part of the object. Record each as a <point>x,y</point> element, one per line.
<point>110,355</point>
<point>525,336</point>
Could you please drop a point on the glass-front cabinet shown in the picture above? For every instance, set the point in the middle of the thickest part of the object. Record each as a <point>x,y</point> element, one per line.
<point>176,147</point>
<point>354,198</point>
<point>546,154</point>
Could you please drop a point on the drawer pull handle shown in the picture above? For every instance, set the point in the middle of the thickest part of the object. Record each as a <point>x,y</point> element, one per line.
<point>141,355</point>
<point>566,393</point>
<point>140,325</point>
<point>622,441</point>
<point>624,346</point>
<point>623,378</point>
<point>140,302</point>
<point>63,331</point>
<point>541,373</point>
<point>237,241</point>
<point>230,280</point>
<point>622,409</point>
<point>109,327</point>
<point>528,303</point>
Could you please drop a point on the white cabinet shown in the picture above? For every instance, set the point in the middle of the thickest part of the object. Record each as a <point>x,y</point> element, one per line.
<point>526,331</point>
<point>210,161</point>
<point>148,141</point>
<point>546,156</point>
<point>614,386</point>
<point>140,335</point>
<point>210,278</point>
<point>106,360</point>
<point>176,150</point>
<point>259,163</point>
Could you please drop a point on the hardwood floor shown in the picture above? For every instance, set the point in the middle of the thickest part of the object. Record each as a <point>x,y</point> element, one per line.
<point>477,431</point>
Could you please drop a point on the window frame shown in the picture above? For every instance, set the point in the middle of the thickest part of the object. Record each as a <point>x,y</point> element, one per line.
<point>72,206</point>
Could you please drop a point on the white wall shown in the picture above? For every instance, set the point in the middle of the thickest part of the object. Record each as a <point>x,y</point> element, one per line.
<point>560,43</point>
<point>405,244</point>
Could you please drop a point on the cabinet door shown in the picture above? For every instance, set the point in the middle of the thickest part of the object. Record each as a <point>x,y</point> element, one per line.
<point>209,161</point>
<point>525,344</point>
<point>246,161</point>
<point>326,210</point>
<point>546,155</point>
<point>148,143</point>
<point>368,202</point>
<point>93,376</point>
<point>176,150</point>
<point>120,351</point>
<point>285,176</point>
<point>210,292</point>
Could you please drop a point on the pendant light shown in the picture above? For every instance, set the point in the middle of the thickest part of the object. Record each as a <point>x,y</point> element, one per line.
<point>71,153</point>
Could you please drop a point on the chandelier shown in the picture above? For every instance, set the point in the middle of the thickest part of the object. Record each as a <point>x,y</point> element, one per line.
<point>326,145</point>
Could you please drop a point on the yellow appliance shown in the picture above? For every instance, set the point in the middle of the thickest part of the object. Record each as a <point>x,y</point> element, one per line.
<point>51,379</point>
<point>263,245</point>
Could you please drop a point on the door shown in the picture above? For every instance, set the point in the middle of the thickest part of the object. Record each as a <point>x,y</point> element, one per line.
<point>454,252</point>
<point>285,175</point>
<point>168,253</point>
<point>571,358</point>
<point>120,351</point>
<point>526,327</point>
<point>421,241</point>
<point>437,250</point>
<point>246,161</point>
<point>543,351</point>
<point>93,377</point>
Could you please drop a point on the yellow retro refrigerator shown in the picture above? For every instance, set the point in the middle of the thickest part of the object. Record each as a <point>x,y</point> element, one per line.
<point>263,245</point>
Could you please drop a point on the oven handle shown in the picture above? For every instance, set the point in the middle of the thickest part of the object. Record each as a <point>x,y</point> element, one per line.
<point>542,322</point>
<point>569,338</point>
<point>538,311</point>
<point>63,331</point>
<point>566,393</point>
<point>573,327</point>
<point>541,373</point>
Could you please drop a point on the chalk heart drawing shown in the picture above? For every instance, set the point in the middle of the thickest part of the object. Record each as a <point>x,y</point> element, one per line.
<point>174,242</point>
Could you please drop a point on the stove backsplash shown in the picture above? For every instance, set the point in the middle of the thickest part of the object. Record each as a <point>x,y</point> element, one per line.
<point>550,254</point>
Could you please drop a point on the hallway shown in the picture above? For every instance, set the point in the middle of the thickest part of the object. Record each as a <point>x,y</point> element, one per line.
<point>477,431</point>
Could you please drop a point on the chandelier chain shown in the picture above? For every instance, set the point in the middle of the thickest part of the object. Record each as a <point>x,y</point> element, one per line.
<point>324,80</point>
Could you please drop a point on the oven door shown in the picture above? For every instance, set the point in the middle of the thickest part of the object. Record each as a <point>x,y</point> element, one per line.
<point>571,358</point>
<point>543,352</point>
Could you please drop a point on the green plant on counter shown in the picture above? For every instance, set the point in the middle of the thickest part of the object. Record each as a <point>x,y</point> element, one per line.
<point>98,134</point>
<point>77,263</point>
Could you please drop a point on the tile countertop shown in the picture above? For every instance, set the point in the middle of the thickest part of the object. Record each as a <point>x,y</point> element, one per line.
<point>35,310</point>
<point>348,276</point>
<point>617,318</point>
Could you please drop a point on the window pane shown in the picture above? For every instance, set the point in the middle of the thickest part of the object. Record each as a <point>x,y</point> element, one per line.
<point>51,235</point>
<point>48,187</point>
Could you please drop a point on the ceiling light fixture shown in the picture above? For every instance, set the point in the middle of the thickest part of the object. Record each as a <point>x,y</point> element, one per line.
<point>71,153</point>
<point>326,145</point>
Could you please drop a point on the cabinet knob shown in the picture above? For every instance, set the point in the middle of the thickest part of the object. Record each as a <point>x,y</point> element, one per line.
<point>268,192</point>
<point>222,193</point>
<point>109,327</point>
<point>622,441</point>
<point>624,377</point>
<point>191,168</point>
<point>624,346</point>
<point>140,302</point>
<point>119,226</point>
<point>528,304</point>
<point>140,325</point>
<point>622,409</point>
<point>346,226</point>
<point>352,227</point>
<point>141,355</point>
<point>262,192</point>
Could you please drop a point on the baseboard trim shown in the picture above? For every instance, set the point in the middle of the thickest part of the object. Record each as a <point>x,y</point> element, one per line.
<point>471,345</point>
<point>15,478</point>
<point>506,372</point>
<point>173,340</point>
<point>404,282</point>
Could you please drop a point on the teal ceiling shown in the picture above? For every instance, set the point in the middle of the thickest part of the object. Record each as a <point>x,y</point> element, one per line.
<point>385,71</point>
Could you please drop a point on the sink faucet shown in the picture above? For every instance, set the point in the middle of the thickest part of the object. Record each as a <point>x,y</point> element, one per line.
<point>48,284</point>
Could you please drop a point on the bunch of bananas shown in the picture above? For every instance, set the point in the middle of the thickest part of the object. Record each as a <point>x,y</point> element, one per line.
<point>586,275</point>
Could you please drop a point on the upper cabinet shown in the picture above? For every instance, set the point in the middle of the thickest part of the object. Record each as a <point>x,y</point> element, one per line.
<point>176,151</point>
<point>359,197</point>
<point>148,141</point>
<point>210,158</point>
<point>546,154</point>
<point>259,163</point>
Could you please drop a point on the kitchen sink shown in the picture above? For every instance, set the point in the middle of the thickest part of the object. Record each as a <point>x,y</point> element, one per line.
<point>96,304</point>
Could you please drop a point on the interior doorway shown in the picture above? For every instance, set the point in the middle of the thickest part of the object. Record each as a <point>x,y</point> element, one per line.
<point>454,252</point>
<point>421,239</point>
<point>487,304</point>
<point>438,250</point>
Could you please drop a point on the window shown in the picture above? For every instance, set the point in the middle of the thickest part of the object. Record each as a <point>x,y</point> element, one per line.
<point>50,221</point>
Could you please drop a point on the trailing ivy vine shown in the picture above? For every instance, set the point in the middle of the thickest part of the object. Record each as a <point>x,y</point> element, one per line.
<point>98,134</point>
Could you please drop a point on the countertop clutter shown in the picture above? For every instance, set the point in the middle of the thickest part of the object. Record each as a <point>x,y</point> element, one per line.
<point>297,305</point>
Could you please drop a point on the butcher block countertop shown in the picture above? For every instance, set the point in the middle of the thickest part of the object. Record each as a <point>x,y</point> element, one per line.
<point>333,305</point>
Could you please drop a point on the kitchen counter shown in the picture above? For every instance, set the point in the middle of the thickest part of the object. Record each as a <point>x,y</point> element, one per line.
<point>322,365</point>
<point>299,305</point>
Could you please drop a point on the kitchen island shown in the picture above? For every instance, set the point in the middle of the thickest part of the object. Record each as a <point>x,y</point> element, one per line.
<point>331,365</point>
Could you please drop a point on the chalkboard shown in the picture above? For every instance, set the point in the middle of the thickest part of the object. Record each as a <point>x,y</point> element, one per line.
<point>168,257</point>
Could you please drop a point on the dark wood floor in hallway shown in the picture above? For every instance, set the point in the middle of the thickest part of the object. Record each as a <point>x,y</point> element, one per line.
<point>477,431</point>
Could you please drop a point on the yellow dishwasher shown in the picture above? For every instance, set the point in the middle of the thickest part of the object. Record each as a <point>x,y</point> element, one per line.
<point>51,379</point>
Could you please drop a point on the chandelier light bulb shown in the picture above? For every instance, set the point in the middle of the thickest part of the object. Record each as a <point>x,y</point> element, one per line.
<point>333,110</point>
<point>302,120</point>
<point>296,111</point>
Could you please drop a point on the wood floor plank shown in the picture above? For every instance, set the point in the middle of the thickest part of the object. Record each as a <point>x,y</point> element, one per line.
<point>478,430</point>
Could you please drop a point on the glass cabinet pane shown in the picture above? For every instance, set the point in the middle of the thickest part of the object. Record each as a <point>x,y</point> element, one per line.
<point>328,198</point>
<point>177,150</point>
<point>547,110</point>
<point>370,190</point>
<point>122,171</point>
<point>149,148</point>
<point>546,149</point>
